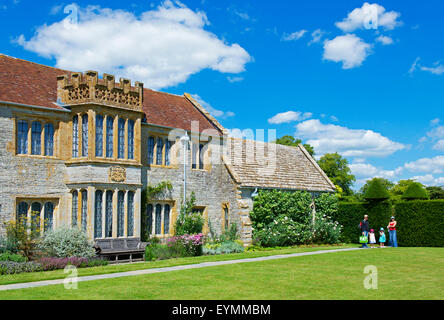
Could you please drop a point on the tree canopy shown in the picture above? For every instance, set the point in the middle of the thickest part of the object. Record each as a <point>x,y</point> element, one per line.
<point>435,192</point>
<point>415,191</point>
<point>292,142</point>
<point>337,169</point>
<point>376,190</point>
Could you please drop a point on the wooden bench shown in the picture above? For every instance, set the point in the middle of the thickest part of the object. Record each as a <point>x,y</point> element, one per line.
<point>121,250</point>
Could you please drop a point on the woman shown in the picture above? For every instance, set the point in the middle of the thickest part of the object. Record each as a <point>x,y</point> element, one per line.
<point>392,232</point>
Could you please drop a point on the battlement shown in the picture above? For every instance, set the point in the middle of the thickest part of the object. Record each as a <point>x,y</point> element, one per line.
<point>82,88</point>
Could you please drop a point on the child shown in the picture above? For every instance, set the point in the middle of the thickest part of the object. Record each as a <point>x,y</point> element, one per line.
<point>382,238</point>
<point>372,238</point>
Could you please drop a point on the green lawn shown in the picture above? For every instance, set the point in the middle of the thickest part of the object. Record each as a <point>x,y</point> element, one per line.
<point>58,274</point>
<point>403,273</point>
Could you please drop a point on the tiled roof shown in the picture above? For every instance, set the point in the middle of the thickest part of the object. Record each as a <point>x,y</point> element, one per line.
<point>29,83</point>
<point>270,166</point>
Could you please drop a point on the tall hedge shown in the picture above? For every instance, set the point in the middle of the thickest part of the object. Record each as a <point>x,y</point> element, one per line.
<point>420,223</point>
<point>351,214</point>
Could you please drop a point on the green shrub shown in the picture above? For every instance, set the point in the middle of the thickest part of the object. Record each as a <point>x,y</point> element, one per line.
<point>191,223</point>
<point>7,256</point>
<point>10,267</point>
<point>270,204</point>
<point>8,245</point>
<point>327,204</point>
<point>415,191</point>
<point>158,252</point>
<point>325,230</point>
<point>376,191</point>
<point>223,248</point>
<point>420,223</point>
<point>66,242</point>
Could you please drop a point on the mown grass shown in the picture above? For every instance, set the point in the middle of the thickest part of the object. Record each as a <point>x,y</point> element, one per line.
<point>58,274</point>
<point>403,273</point>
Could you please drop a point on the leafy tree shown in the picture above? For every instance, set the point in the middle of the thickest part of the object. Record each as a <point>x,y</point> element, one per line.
<point>415,191</point>
<point>292,142</point>
<point>376,190</point>
<point>388,185</point>
<point>336,168</point>
<point>435,192</point>
<point>401,187</point>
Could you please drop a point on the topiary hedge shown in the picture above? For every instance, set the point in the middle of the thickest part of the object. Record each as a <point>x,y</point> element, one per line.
<point>376,191</point>
<point>420,223</point>
<point>349,215</point>
<point>415,191</point>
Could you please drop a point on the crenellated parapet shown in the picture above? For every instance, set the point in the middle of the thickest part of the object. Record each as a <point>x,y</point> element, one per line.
<point>82,88</point>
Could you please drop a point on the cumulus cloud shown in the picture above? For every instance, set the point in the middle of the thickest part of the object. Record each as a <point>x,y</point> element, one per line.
<point>330,138</point>
<point>439,145</point>
<point>429,180</point>
<point>429,165</point>
<point>162,47</point>
<point>316,36</point>
<point>369,16</point>
<point>384,40</point>
<point>294,36</point>
<point>366,171</point>
<point>213,111</point>
<point>348,49</point>
<point>289,116</point>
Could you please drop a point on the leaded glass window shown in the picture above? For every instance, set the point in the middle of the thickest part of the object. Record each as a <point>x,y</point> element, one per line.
<point>22,212</point>
<point>158,226</point>
<point>166,219</point>
<point>75,207</point>
<point>159,151</point>
<point>120,213</point>
<point>194,156</point>
<point>36,138</point>
<point>121,138</point>
<point>226,217</point>
<point>99,135</point>
<point>151,150</point>
<point>130,139</point>
<point>36,210</point>
<point>167,152</point>
<point>84,209</point>
<point>22,137</point>
<point>149,218</point>
<point>109,214</point>
<point>75,136</point>
<point>130,222</point>
<point>49,139</point>
<point>98,214</point>
<point>85,135</point>
<point>49,216</point>
<point>201,157</point>
<point>109,136</point>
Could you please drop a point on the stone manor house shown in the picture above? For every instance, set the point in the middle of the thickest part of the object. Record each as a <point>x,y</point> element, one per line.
<point>79,149</point>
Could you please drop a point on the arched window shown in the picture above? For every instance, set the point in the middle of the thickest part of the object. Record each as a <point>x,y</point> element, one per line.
<point>75,208</point>
<point>226,217</point>
<point>158,227</point>
<point>75,136</point>
<point>98,214</point>
<point>201,156</point>
<point>49,216</point>
<point>159,151</point>
<point>36,210</point>
<point>109,136</point>
<point>130,139</point>
<point>99,135</point>
<point>84,209</point>
<point>109,214</point>
<point>121,138</point>
<point>150,150</point>
<point>167,152</point>
<point>149,219</point>
<point>85,135</point>
<point>120,213</point>
<point>22,212</point>
<point>130,222</point>
<point>22,137</point>
<point>49,139</point>
<point>36,138</point>
<point>166,219</point>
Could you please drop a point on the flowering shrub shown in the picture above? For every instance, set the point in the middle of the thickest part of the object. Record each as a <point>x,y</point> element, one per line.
<point>223,248</point>
<point>11,267</point>
<point>61,263</point>
<point>66,242</point>
<point>186,245</point>
<point>325,230</point>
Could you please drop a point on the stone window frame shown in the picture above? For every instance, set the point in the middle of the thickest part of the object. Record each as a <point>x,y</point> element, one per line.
<point>153,157</point>
<point>225,216</point>
<point>199,153</point>
<point>204,211</point>
<point>100,139</point>
<point>42,201</point>
<point>29,140</point>
<point>163,204</point>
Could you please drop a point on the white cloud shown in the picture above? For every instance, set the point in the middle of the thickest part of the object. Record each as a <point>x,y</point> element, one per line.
<point>434,122</point>
<point>289,116</point>
<point>214,112</point>
<point>438,69</point>
<point>234,79</point>
<point>316,36</point>
<point>384,40</point>
<point>294,36</point>
<point>333,118</point>
<point>429,165</point>
<point>436,133</point>
<point>366,170</point>
<point>161,47</point>
<point>429,180</point>
<point>348,49</point>
<point>439,145</point>
<point>414,65</point>
<point>369,16</point>
<point>330,138</point>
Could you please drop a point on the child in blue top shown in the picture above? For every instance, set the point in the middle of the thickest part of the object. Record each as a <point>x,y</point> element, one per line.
<point>382,238</point>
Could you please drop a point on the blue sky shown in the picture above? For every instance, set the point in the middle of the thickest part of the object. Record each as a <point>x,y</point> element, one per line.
<point>363,79</point>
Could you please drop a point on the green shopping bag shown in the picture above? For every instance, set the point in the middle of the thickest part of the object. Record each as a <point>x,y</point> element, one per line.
<point>363,239</point>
